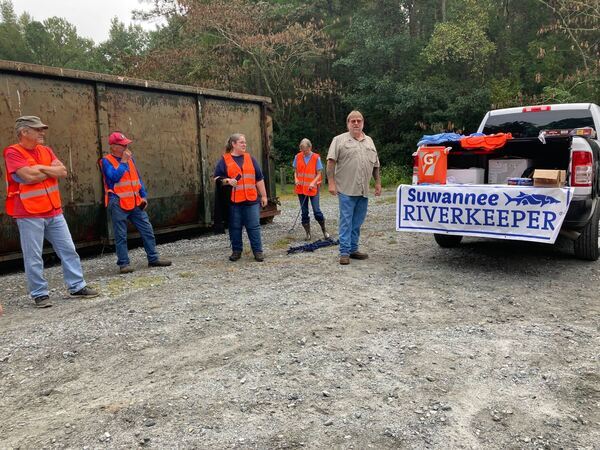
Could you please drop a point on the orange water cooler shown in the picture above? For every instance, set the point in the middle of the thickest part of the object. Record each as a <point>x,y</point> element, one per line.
<point>432,165</point>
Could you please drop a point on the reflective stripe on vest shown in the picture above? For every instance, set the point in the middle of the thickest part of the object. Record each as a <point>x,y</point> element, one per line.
<point>246,179</point>
<point>37,198</point>
<point>127,189</point>
<point>306,173</point>
<point>38,192</point>
<point>127,183</point>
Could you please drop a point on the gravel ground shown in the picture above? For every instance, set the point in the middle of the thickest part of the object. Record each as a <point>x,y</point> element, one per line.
<point>490,345</point>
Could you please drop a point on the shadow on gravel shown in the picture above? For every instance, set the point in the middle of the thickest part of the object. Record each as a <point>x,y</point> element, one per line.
<point>509,257</point>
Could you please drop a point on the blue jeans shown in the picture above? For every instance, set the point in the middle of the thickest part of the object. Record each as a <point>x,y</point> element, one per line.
<point>139,218</point>
<point>353,210</point>
<point>314,201</point>
<point>244,216</point>
<point>56,231</point>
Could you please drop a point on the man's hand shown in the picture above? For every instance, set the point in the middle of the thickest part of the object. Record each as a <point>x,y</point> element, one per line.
<point>264,201</point>
<point>127,155</point>
<point>56,169</point>
<point>332,188</point>
<point>377,189</point>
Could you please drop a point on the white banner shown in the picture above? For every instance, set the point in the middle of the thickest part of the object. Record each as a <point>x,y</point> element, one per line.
<point>498,211</point>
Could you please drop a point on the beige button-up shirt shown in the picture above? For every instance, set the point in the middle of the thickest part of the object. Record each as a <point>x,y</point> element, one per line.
<point>354,163</point>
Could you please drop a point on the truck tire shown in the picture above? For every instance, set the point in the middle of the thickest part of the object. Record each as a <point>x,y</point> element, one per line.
<point>587,245</point>
<point>447,240</point>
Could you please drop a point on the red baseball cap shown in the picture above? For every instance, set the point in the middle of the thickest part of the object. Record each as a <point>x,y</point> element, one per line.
<point>118,138</point>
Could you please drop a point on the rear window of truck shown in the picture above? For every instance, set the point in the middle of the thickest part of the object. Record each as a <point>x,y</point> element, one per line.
<point>529,124</point>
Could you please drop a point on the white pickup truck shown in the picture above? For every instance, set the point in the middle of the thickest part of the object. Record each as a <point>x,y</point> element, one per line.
<point>561,137</point>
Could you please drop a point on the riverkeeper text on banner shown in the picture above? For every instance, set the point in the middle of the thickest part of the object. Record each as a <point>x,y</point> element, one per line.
<point>496,211</point>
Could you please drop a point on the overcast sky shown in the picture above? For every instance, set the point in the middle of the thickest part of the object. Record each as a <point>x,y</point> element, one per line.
<point>91,17</point>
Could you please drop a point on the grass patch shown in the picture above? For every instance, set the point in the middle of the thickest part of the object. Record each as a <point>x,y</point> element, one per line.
<point>393,175</point>
<point>186,274</point>
<point>386,200</point>
<point>283,243</point>
<point>120,285</point>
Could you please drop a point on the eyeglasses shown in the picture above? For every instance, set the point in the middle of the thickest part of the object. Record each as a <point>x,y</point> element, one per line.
<point>355,120</point>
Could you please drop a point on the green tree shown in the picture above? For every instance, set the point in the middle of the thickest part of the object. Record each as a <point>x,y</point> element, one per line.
<point>124,44</point>
<point>12,43</point>
<point>579,23</point>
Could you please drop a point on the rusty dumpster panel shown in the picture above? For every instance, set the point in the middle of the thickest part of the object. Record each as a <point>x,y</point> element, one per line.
<point>221,118</point>
<point>69,110</point>
<point>163,127</point>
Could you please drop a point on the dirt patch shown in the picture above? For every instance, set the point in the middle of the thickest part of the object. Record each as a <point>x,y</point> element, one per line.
<point>493,344</point>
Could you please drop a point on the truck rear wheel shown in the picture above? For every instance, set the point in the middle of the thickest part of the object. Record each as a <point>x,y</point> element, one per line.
<point>587,245</point>
<point>447,240</point>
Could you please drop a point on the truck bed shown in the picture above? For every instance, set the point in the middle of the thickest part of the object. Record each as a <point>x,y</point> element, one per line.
<point>555,154</point>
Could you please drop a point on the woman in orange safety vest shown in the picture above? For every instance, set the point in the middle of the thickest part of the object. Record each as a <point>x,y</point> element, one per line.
<point>307,178</point>
<point>242,172</point>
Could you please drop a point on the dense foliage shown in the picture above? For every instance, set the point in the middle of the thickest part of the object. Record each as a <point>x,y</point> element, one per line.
<point>411,66</point>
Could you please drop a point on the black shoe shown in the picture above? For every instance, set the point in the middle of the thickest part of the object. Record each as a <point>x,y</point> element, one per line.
<point>85,292</point>
<point>235,256</point>
<point>43,301</point>
<point>160,263</point>
<point>258,256</point>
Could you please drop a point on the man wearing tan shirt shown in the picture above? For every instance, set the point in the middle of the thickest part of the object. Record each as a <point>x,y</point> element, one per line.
<point>351,161</point>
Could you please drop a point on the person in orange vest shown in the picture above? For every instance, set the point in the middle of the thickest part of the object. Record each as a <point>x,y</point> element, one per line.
<point>33,200</point>
<point>126,199</point>
<point>307,179</point>
<point>238,169</point>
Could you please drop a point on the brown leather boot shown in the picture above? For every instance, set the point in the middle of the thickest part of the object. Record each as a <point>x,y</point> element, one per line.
<point>323,229</point>
<point>359,255</point>
<point>306,227</point>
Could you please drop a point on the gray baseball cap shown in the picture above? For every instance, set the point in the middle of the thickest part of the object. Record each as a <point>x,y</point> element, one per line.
<point>30,121</point>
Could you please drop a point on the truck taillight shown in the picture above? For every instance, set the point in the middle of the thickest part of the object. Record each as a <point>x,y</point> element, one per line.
<point>415,176</point>
<point>536,108</point>
<point>582,163</point>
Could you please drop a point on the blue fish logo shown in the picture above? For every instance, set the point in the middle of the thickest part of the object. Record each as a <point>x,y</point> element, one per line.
<point>531,199</point>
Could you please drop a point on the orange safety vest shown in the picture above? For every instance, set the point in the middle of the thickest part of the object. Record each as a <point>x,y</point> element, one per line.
<point>127,188</point>
<point>488,142</point>
<point>37,198</point>
<point>305,174</point>
<point>246,179</point>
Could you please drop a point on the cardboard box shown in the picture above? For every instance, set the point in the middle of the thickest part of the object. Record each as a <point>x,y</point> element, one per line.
<point>549,178</point>
<point>474,175</point>
<point>499,170</point>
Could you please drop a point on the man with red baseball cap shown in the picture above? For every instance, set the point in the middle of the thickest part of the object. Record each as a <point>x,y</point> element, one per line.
<point>126,199</point>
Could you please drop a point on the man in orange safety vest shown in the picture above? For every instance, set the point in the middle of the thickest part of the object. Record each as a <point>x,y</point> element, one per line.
<point>126,199</point>
<point>33,200</point>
